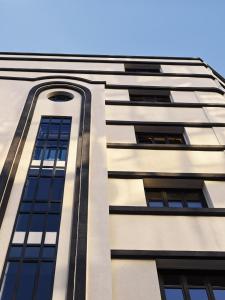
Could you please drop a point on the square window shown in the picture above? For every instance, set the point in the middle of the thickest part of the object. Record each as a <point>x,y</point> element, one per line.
<point>48,252</point>
<point>153,203</point>
<point>175,204</point>
<point>15,252</point>
<point>174,294</point>
<point>198,294</point>
<point>32,252</point>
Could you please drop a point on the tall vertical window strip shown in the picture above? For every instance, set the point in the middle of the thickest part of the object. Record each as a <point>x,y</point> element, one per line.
<point>30,263</point>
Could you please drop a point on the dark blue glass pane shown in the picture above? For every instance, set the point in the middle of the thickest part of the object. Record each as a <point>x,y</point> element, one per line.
<point>37,222</point>
<point>44,288</point>
<point>194,204</point>
<point>53,223</point>
<point>41,207</point>
<point>57,189</point>
<point>62,154</point>
<point>54,128</point>
<point>60,172</point>
<point>56,120</point>
<point>9,280</point>
<point>33,171</point>
<point>175,204</point>
<point>198,294</point>
<point>65,128</point>
<point>55,207</point>
<point>174,294</point>
<point>22,222</point>
<point>38,152</point>
<point>219,294</point>
<point>64,136</point>
<point>15,252</point>
<point>26,207</point>
<point>32,252</point>
<point>48,252</point>
<point>51,144</point>
<point>47,172</point>
<point>50,154</point>
<point>26,283</point>
<point>43,130</point>
<point>29,190</point>
<point>45,120</point>
<point>67,121</point>
<point>43,189</point>
<point>156,203</point>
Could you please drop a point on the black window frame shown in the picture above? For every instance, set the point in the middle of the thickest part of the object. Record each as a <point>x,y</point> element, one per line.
<point>144,68</point>
<point>171,135</point>
<point>147,96</point>
<point>183,187</point>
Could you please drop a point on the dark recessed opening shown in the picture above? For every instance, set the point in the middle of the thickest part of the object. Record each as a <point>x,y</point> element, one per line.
<point>60,96</point>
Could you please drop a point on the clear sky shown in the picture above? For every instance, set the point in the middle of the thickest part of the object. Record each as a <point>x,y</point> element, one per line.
<point>129,27</point>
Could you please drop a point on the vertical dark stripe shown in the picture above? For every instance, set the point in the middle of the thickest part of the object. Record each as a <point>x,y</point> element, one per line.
<point>78,248</point>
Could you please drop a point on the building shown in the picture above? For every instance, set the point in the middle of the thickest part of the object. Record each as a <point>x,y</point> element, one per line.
<point>112,178</point>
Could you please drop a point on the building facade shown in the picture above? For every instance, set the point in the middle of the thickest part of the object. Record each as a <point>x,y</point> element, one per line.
<point>112,178</point>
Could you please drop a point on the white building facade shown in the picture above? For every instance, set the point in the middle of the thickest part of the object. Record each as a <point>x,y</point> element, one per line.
<point>112,178</point>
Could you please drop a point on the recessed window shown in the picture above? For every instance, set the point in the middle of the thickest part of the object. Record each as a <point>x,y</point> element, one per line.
<point>142,68</point>
<point>150,96</point>
<point>192,285</point>
<point>160,135</point>
<point>174,193</point>
<point>60,96</point>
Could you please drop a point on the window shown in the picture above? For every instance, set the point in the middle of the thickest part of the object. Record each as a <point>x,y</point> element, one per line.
<point>160,135</point>
<point>30,263</point>
<point>144,68</point>
<point>174,193</point>
<point>192,285</point>
<point>150,96</point>
<point>60,96</point>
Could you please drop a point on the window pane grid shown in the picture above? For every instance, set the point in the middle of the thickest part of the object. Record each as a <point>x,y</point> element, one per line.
<point>39,212</point>
<point>175,198</point>
<point>182,289</point>
<point>160,138</point>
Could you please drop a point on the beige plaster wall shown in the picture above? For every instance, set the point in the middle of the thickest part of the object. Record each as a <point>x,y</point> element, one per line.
<point>185,69</point>
<point>120,134</point>
<point>131,80</point>
<point>184,97</point>
<point>117,94</point>
<point>61,65</point>
<point>216,191</point>
<point>220,134</point>
<point>210,97</point>
<point>99,278</point>
<point>13,95</point>
<point>180,233</point>
<point>215,114</point>
<point>201,136</point>
<point>172,161</point>
<point>127,192</point>
<point>155,114</point>
<point>135,279</point>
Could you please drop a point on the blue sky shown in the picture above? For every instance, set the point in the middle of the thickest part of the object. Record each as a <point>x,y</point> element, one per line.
<point>144,27</point>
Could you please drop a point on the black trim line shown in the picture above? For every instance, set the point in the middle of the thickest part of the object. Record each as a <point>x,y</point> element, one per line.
<point>142,210</point>
<point>162,104</point>
<point>78,248</point>
<point>185,124</point>
<point>160,254</point>
<point>141,175</point>
<point>100,55</point>
<point>166,147</point>
<point>100,61</point>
